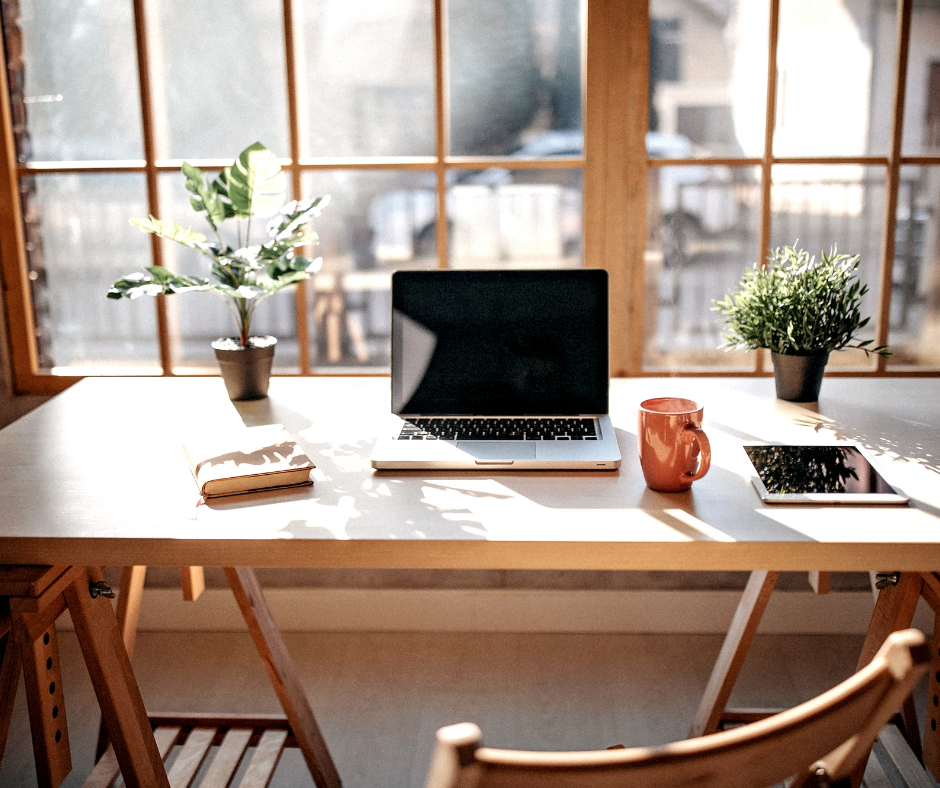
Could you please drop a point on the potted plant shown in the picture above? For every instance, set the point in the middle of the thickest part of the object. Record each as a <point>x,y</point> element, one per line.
<point>243,275</point>
<point>801,310</point>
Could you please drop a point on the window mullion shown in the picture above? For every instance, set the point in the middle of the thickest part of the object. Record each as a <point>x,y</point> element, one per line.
<point>441,126</point>
<point>893,179</point>
<point>770,121</point>
<point>293,117</point>
<point>150,156</point>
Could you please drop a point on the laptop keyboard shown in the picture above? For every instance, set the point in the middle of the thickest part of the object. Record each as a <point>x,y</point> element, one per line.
<point>499,429</point>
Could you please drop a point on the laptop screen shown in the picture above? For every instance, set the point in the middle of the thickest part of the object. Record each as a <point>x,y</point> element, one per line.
<point>500,343</point>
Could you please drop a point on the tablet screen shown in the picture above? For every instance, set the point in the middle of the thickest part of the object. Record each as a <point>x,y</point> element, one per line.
<point>787,470</point>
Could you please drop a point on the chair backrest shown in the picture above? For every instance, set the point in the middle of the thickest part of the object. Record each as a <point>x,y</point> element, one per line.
<point>819,742</point>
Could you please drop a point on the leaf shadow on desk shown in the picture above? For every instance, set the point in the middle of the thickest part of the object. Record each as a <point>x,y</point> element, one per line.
<point>877,433</point>
<point>383,506</point>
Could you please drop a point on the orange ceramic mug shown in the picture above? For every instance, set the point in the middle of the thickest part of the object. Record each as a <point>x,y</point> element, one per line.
<point>671,442</point>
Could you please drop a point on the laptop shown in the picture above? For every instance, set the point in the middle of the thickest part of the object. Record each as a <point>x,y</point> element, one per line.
<point>499,370</point>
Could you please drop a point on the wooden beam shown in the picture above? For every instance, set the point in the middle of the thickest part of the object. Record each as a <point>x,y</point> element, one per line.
<point>615,169</point>
<point>740,635</point>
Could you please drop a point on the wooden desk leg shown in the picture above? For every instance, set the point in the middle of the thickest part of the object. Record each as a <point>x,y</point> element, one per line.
<point>9,679</point>
<point>128,614</point>
<point>42,673</point>
<point>894,610</point>
<point>283,676</point>
<point>820,581</point>
<point>733,651</point>
<point>114,684</point>
<point>193,580</point>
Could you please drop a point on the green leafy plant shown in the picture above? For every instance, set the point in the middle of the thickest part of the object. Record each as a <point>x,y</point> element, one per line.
<point>243,275</point>
<point>798,306</point>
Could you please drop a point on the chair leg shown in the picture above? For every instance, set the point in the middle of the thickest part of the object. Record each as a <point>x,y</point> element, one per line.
<point>111,676</point>
<point>283,676</point>
<point>128,614</point>
<point>747,617</point>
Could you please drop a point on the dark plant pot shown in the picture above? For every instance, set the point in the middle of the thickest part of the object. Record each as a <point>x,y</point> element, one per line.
<point>245,370</point>
<point>799,378</point>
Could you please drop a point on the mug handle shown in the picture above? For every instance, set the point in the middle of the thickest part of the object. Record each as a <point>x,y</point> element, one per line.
<point>697,434</point>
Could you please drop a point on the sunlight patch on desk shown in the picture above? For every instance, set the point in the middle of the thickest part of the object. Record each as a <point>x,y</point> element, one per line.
<point>909,525</point>
<point>707,531</point>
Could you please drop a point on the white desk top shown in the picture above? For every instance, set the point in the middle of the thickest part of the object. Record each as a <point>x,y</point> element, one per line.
<point>96,476</point>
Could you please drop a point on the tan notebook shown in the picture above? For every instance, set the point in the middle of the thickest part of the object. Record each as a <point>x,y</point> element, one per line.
<point>247,460</point>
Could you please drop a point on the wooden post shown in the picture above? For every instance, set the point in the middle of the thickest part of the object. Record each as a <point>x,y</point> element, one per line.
<point>747,618</point>
<point>283,676</point>
<point>114,683</point>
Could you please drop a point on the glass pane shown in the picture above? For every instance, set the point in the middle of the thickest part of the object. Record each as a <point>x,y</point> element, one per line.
<point>828,103</point>
<point>515,77</point>
<point>502,218</point>
<point>708,78</point>
<point>80,242</point>
<point>376,222</point>
<point>818,207</point>
<point>922,97</point>
<point>366,77</point>
<point>196,319</point>
<point>915,295</point>
<point>218,77</point>
<point>76,57</point>
<point>704,231</point>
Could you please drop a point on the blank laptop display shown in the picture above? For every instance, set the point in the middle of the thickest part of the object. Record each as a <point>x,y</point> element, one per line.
<point>500,368</point>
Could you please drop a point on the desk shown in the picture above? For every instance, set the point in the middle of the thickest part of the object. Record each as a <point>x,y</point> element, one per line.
<point>96,477</point>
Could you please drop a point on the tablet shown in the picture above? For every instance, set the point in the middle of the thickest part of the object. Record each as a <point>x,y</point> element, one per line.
<point>834,473</point>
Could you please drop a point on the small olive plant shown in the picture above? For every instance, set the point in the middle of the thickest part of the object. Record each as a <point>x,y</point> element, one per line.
<point>244,275</point>
<point>798,306</point>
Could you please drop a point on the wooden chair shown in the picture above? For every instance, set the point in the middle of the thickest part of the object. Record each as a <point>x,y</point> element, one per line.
<point>819,743</point>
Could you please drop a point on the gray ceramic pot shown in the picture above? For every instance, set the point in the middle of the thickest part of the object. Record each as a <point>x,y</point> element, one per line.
<point>245,370</point>
<point>799,378</point>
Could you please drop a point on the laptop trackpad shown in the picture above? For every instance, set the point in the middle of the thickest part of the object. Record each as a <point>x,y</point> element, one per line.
<point>498,450</point>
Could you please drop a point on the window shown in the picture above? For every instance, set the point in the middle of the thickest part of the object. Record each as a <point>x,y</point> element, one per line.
<point>785,126</point>
<point>457,133</point>
<point>367,101</point>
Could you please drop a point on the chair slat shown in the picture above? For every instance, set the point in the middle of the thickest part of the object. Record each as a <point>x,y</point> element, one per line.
<point>106,771</point>
<point>227,758</point>
<point>264,761</point>
<point>190,759</point>
<point>902,759</point>
<point>875,776</point>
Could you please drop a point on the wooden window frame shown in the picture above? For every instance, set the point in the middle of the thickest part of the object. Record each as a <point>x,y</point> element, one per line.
<point>614,162</point>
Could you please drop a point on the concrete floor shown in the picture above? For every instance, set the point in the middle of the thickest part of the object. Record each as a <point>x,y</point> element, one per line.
<point>379,697</point>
